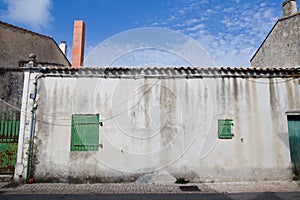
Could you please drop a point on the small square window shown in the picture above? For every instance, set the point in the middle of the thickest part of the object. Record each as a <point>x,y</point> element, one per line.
<point>225,128</point>
<point>85,133</point>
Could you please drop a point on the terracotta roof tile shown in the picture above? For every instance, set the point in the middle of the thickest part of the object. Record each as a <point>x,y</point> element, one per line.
<point>167,72</point>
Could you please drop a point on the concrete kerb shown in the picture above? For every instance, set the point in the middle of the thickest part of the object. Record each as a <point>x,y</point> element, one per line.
<point>133,188</point>
<point>3,184</point>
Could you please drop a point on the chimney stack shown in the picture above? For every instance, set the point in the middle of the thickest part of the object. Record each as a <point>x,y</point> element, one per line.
<point>289,7</point>
<point>78,44</point>
<point>63,47</point>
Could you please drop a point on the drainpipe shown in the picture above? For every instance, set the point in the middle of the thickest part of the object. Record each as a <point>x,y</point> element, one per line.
<point>32,63</point>
<point>32,127</point>
<point>31,142</point>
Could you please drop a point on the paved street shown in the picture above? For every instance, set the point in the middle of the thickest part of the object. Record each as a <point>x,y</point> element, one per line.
<point>234,190</point>
<point>185,196</point>
<point>129,188</point>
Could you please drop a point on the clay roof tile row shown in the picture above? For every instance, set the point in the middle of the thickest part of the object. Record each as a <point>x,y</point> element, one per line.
<point>166,72</point>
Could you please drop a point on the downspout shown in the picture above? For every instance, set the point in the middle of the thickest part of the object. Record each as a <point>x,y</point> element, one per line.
<point>30,160</point>
<point>29,173</point>
<point>31,138</point>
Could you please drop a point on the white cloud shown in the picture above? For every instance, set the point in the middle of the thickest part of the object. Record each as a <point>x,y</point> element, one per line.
<point>34,13</point>
<point>230,32</point>
<point>209,11</point>
<point>148,47</point>
<point>192,21</point>
<point>196,28</point>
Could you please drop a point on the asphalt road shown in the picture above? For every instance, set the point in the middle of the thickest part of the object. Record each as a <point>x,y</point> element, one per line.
<point>186,196</point>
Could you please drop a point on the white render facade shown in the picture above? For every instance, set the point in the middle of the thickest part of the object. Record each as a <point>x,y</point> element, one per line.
<point>159,119</point>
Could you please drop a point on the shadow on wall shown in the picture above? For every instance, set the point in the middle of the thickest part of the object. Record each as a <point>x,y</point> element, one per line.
<point>11,89</point>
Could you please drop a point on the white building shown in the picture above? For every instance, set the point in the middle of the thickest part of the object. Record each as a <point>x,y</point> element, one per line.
<point>214,124</point>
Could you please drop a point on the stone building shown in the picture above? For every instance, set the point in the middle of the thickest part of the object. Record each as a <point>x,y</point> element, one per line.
<point>16,44</point>
<point>281,48</point>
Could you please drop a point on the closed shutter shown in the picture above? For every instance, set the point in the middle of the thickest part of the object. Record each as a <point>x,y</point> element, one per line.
<point>85,133</point>
<point>225,129</point>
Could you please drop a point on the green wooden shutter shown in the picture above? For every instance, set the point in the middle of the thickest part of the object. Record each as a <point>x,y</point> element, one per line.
<point>225,129</point>
<point>85,133</point>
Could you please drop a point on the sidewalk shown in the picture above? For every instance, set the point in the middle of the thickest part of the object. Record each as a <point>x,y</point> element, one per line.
<point>133,188</point>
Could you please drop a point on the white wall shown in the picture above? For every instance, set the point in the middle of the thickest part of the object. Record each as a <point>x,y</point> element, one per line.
<point>153,124</point>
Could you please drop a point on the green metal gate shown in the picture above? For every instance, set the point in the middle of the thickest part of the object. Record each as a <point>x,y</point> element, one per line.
<point>294,135</point>
<point>9,134</point>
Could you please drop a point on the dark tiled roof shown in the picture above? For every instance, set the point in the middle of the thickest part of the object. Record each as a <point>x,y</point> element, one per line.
<point>166,72</point>
<point>17,43</point>
<point>6,25</point>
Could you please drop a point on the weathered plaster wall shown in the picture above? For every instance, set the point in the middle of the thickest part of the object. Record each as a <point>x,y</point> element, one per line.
<point>153,124</point>
<point>282,47</point>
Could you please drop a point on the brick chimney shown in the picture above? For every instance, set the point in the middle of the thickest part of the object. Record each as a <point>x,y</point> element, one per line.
<point>289,7</point>
<point>78,44</point>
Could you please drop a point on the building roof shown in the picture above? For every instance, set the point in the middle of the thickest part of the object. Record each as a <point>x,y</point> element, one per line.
<point>22,30</point>
<point>279,20</point>
<point>17,43</point>
<point>164,72</point>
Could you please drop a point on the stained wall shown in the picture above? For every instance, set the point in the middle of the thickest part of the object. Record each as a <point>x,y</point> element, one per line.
<point>170,124</point>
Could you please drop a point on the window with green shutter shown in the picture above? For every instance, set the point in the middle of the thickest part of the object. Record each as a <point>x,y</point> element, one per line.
<point>85,133</point>
<point>225,128</point>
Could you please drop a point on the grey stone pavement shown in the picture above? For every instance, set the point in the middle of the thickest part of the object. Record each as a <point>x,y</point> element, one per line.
<point>133,188</point>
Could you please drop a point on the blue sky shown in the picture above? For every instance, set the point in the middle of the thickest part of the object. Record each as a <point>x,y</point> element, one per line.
<point>230,31</point>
